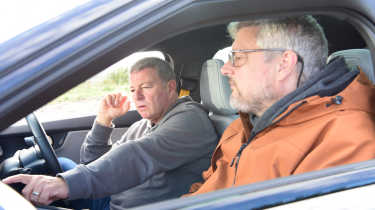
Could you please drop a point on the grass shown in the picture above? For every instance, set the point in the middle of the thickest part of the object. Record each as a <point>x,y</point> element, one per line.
<point>113,82</point>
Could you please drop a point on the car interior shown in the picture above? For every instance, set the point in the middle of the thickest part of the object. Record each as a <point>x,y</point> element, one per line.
<point>192,56</point>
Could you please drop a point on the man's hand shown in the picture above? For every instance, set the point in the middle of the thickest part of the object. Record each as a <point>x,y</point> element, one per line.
<point>112,106</point>
<point>40,190</point>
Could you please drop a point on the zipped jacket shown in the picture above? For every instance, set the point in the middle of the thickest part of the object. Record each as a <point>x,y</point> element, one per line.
<point>312,133</point>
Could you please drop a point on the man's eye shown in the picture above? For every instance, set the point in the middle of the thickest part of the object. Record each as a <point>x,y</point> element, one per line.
<point>146,87</point>
<point>237,57</point>
<point>132,91</point>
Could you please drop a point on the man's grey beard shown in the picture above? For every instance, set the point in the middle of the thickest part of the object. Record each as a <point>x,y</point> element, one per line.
<point>243,106</point>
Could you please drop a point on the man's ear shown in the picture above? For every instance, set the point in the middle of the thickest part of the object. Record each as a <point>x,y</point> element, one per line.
<point>172,86</point>
<point>288,65</point>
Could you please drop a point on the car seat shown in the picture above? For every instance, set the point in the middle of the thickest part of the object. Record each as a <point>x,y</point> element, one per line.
<point>188,78</point>
<point>215,93</point>
<point>355,58</point>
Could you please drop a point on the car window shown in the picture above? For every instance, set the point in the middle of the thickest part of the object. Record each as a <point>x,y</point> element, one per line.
<point>17,17</point>
<point>83,100</point>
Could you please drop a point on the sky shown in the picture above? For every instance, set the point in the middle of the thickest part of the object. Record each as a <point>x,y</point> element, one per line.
<point>17,16</point>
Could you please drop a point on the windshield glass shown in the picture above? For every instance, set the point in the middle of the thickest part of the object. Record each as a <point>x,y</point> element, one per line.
<point>19,16</point>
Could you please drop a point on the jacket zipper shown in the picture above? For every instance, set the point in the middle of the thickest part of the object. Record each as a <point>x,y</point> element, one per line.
<point>236,158</point>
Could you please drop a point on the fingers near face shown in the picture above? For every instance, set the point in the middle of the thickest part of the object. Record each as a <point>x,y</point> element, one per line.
<point>127,105</point>
<point>108,100</point>
<point>118,99</point>
<point>115,100</point>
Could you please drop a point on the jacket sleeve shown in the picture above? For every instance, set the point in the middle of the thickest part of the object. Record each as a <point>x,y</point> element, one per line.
<point>184,137</point>
<point>349,138</point>
<point>96,143</point>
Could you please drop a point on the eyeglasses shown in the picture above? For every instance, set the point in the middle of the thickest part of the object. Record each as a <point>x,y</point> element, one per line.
<point>238,59</point>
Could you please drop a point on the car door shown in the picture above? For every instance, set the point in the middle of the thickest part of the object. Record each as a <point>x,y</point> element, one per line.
<point>66,135</point>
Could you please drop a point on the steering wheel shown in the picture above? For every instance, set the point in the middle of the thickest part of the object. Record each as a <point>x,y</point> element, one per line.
<point>41,140</point>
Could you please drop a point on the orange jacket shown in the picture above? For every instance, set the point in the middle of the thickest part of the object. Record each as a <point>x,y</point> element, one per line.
<point>312,137</point>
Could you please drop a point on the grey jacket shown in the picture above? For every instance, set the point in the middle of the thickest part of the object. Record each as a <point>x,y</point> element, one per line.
<point>148,164</point>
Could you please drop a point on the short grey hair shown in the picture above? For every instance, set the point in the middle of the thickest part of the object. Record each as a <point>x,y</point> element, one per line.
<point>301,34</point>
<point>163,69</point>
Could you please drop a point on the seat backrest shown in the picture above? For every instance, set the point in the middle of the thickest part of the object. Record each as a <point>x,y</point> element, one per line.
<point>188,77</point>
<point>355,58</point>
<point>215,93</point>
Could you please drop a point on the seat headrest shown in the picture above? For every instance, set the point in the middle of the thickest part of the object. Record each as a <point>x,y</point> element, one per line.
<point>355,58</point>
<point>214,88</point>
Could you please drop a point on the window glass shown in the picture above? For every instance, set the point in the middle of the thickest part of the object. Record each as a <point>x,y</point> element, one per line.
<point>83,100</point>
<point>18,16</point>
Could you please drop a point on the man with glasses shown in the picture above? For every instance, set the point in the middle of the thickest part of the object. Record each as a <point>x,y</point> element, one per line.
<point>297,114</point>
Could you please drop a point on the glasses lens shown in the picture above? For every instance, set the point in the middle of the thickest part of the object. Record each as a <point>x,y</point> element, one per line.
<point>239,59</point>
<point>234,59</point>
<point>230,58</point>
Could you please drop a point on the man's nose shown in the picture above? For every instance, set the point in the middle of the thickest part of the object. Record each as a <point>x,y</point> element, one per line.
<point>227,69</point>
<point>138,94</point>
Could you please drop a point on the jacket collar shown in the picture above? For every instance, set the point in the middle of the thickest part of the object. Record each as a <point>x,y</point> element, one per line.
<point>331,80</point>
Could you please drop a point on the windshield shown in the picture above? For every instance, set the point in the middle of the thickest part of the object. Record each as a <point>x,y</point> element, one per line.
<point>20,16</point>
